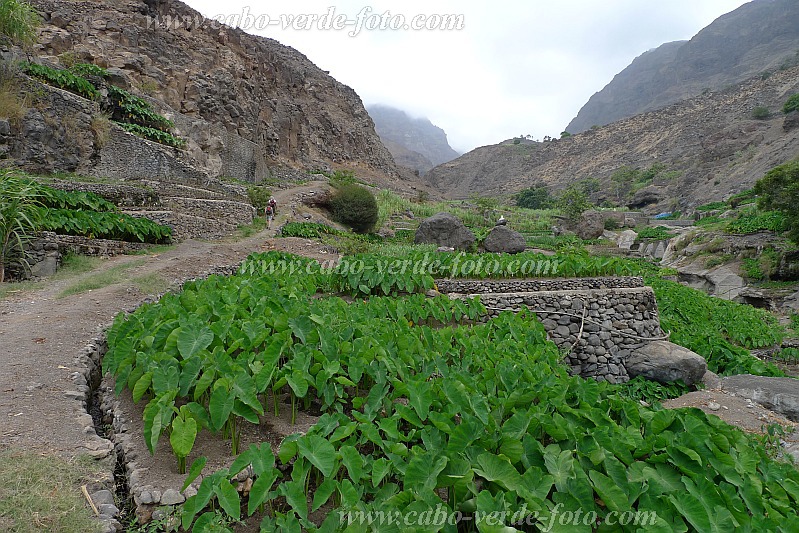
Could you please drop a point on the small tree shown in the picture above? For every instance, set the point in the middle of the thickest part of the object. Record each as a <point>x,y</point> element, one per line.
<point>18,217</point>
<point>623,180</point>
<point>792,104</point>
<point>535,197</point>
<point>485,204</point>
<point>573,202</point>
<point>778,190</point>
<point>18,21</point>
<point>356,207</point>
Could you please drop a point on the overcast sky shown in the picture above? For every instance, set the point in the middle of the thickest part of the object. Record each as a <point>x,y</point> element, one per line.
<point>516,67</point>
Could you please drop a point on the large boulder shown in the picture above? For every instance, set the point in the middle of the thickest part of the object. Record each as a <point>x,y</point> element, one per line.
<point>665,362</point>
<point>444,229</point>
<point>502,239</point>
<point>627,239</point>
<point>776,394</point>
<point>590,225</point>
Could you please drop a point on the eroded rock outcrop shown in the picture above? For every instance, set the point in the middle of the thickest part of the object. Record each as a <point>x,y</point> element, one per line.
<point>244,103</point>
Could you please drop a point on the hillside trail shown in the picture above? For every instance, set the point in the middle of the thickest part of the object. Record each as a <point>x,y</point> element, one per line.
<point>41,332</point>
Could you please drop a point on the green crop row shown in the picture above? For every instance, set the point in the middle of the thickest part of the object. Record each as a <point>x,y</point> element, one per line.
<point>76,200</point>
<point>103,225</point>
<point>135,110</point>
<point>717,329</point>
<point>63,79</point>
<point>132,113</point>
<point>153,134</point>
<point>423,415</point>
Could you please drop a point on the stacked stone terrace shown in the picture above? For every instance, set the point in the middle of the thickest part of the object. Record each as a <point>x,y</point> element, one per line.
<point>596,322</point>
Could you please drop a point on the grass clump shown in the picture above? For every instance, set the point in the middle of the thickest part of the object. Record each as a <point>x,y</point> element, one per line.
<point>41,494</point>
<point>113,275</point>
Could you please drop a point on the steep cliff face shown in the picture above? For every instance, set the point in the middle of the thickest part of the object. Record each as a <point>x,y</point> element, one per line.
<point>414,142</point>
<point>231,94</point>
<point>758,37</point>
<point>711,145</point>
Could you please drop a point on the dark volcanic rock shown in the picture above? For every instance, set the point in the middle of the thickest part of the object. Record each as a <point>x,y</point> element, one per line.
<point>444,229</point>
<point>791,121</point>
<point>502,239</point>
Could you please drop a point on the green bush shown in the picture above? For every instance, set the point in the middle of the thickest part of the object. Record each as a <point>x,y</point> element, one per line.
<point>779,190</point>
<point>761,113</point>
<point>536,197</point>
<point>88,69</point>
<point>712,206</point>
<point>259,196</point>
<point>18,21</point>
<point>792,104</point>
<point>356,207</point>
<point>754,221</point>
<point>611,224</point>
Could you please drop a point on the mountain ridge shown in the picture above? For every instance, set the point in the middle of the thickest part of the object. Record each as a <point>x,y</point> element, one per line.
<point>758,37</point>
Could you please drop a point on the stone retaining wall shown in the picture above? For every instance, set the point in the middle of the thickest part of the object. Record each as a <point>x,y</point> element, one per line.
<point>44,254</point>
<point>597,329</point>
<point>468,286</point>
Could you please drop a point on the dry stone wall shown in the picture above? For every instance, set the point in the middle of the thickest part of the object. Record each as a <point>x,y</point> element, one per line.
<point>597,327</point>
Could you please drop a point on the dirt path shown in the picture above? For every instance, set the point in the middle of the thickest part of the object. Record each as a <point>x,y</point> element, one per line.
<point>41,334</point>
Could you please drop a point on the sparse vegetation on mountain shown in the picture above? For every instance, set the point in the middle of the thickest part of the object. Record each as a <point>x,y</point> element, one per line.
<point>18,21</point>
<point>761,113</point>
<point>792,104</point>
<point>778,190</point>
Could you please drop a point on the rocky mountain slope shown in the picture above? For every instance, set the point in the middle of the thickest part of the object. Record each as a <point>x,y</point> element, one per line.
<point>761,36</point>
<point>711,145</point>
<point>245,104</point>
<point>414,142</point>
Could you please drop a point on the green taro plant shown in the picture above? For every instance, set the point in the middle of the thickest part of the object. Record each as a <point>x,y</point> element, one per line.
<point>423,407</point>
<point>63,79</point>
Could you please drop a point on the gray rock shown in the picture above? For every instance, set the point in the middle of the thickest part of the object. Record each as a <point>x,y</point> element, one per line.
<point>444,229</point>
<point>791,121</point>
<point>172,497</point>
<point>502,239</point>
<point>626,239</point>
<point>711,380</point>
<point>777,394</point>
<point>590,226</point>
<point>103,497</point>
<point>665,362</point>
